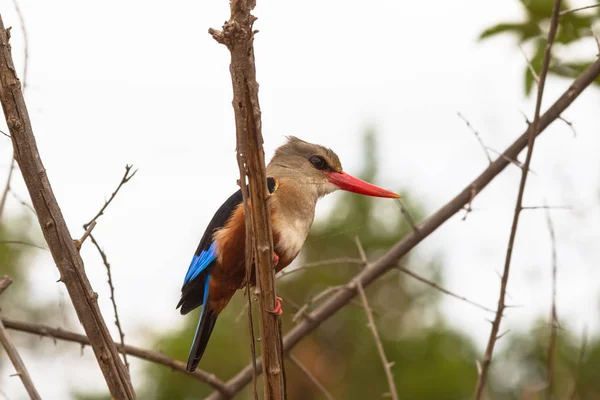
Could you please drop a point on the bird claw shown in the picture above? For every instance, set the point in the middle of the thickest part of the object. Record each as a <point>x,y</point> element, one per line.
<point>278,310</point>
<point>275,259</point>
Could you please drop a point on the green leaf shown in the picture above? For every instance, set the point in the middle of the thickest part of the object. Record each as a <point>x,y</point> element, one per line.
<point>523,30</point>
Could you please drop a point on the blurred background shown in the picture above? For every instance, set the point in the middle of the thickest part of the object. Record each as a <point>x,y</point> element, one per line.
<point>381,83</point>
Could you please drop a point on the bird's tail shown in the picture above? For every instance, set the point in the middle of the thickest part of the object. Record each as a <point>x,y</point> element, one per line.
<point>208,317</point>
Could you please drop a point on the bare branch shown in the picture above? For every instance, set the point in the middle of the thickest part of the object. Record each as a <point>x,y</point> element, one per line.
<point>12,352</point>
<point>7,186</point>
<point>112,292</point>
<point>302,310</point>
<point>387,366</point>
<point>22,202</point>
<point>155,357</point>
<point>572,10</point>
<point>584,339</point>
<point>547,208</point>
<point>88,231</point>
<point>23,243</point>
<point>389,260</point>
<point>56,233</point>
<point>515,162</point>
<point>310,376</point>
<point>409,219</point>
<point>535,129</point>
<point>440,288</point>
<point>341,260</point>
<point>553,316</point>
<point>485,149</point>
<point>25,43</point>
<point>126,178</point>
<point>238,36</point>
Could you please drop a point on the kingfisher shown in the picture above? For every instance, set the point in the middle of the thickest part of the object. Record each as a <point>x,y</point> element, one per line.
<point>299,174</point>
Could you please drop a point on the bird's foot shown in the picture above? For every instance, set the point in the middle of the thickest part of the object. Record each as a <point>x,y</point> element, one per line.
<point>275,259</point>
<point>278,310</point>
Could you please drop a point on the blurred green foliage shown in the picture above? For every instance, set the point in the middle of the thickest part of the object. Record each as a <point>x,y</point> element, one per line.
<point>574,27</point>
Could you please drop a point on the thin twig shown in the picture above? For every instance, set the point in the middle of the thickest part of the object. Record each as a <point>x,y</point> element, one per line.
<point>25,44</point>
<point>547,208</point>
<point>485,149</point>
<point>406,214</point>
<point>23,243</point>
<point>584,339</point>
<point>572,10</point>
<point>302,310</point>
<point>389,260</point>
<point>535,128</point>
<point>12,352</point>
<point>310,376</point>
<point>553,315</point>
<point>515,162</point>
<point>441,289</point>
<point>536,78</point>
<point>22,202</point>
<point>112,291</point>
<point>126,177</point>
<point>341,260</point>
<point>155,357</point>
<point>7,186</point>
<point>88,231</point>
<point>361,251</point>
<point>387,366</point>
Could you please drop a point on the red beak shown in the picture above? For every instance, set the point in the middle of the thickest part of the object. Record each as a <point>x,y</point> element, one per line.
<point>355,185</point>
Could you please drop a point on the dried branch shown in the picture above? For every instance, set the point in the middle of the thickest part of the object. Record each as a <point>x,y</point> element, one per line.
<point>112,292</point>
<point>238,36</point>
<point>409,219</point>
<point>387,366</point>
<point>56,233</point>
<point>319,296</point>
<point>12,352</point>
<point>25,43</point>
<point>310,376</point>
<point>389,260</point>
<point>23,243</point>
<point>485,149</point>
<point>88,232</point>
<point>21,201</point>
<point>572,10</point>
<point>341,260</point>
<point>155,357</point>
<point>7,186</point>
<point>515,162</point>
<point>441,289</point>
<point>584,339</point>
<point>534,130</point>
<point>553,315</point>
<point>126,178</point>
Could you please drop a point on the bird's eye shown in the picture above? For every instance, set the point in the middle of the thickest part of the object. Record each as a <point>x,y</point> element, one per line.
<point>318,162</point>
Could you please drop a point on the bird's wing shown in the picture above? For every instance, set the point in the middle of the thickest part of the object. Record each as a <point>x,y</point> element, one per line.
<point>196,278</point>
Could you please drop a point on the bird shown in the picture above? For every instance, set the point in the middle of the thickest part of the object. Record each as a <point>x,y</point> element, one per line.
<point>298,175</point>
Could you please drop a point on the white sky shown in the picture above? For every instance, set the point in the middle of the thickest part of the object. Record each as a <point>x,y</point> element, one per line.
<point>142,82</point>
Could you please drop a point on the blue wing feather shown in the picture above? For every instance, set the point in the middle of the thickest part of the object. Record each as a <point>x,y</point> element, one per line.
<point>200,262</point>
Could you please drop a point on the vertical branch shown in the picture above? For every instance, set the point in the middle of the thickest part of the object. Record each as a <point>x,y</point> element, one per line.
<point>25,44</point>
<point>7,186</point>
<point>54,227</point>
<point>535,129</point>
<point>553,315</point>
<point>12,352</point>
<point>238,36</point>
<point>112,294</point>
<point>387,366</point>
